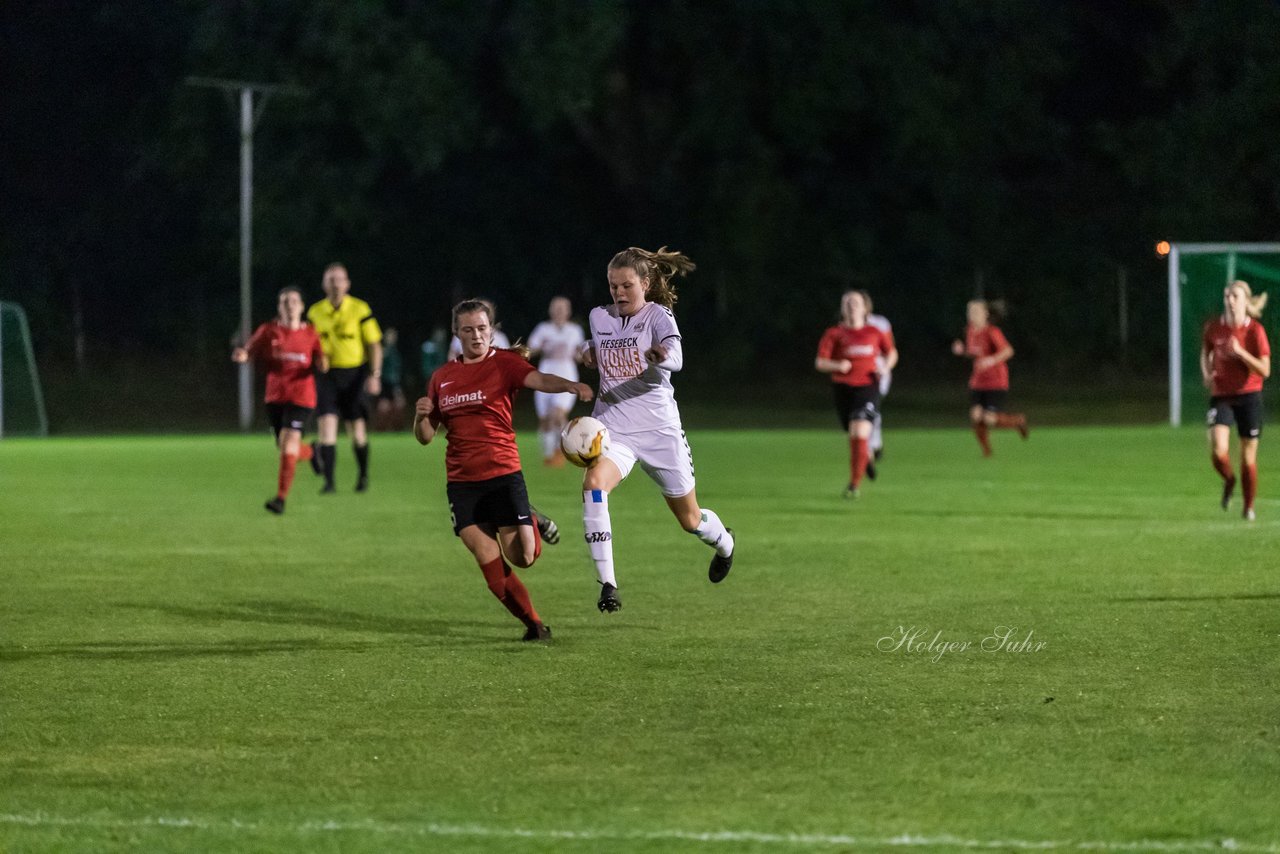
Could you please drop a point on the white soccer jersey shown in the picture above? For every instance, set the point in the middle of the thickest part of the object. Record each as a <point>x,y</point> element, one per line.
<point>558,346</point>
<point>635,396</point>
<point>879,321</point>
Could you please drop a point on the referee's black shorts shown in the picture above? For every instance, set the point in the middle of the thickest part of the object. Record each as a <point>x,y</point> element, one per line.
<point>341,392</point>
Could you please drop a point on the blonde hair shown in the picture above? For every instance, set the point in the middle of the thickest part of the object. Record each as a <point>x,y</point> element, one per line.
<point>1253,305</point>
<point>658,267</point>
<point>471,306</point>
<point>997,309</point>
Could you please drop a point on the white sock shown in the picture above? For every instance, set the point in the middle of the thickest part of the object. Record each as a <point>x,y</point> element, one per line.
<point>599,533</point>
<point>877,441</point>
<point>550,441</point>
<point>713,532</point>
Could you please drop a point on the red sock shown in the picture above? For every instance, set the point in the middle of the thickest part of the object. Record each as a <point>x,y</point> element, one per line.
<point>518,601</point>
<point>858,455</point>
<point>980,430</point>
<point>1222,466</point>
<point>1010,420</point>
<point>288,464</point>
<point>304,452</point>
<point>537,537</point>
<point>1249,475</point>
<point>504,585</point>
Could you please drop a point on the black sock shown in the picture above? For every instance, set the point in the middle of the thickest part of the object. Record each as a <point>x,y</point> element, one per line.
<point>362,458</point>
<point>327,456</point>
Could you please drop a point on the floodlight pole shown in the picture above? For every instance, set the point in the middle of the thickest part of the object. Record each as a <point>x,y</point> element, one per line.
<point>248,121</point>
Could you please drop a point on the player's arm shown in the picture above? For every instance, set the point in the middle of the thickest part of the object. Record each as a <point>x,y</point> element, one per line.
<point>587,354</point>
<point>824,363</point>
<point>252,348</point>
<point>667,354</point>
<point>891,359</point>
<point>424,426</point>
<point>373,385</point>
<point>1206,363</point>
<point>1260,365</point>
<point>552,384</point>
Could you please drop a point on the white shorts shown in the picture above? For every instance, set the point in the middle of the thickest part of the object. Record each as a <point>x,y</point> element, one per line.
<point>544,402</point>
<point>663,454</point>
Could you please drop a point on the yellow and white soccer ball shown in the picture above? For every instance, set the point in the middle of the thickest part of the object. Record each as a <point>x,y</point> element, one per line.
<point>583,440</point>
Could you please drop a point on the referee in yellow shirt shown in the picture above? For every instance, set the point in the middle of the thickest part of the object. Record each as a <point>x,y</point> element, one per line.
<point>352,339</point>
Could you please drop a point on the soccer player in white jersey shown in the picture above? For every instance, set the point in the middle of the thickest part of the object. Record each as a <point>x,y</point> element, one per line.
<point>556,344</point>
<point>635,345</point>
<point>879,321</point>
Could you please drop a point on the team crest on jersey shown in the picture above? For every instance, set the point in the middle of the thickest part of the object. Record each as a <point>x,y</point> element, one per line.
<point>639,327</point>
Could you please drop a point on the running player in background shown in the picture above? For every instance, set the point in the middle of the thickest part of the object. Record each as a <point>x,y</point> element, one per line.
<point>990,351</point>
<point>555,343</point>
<point>352,341</point>
<point>290,350</point>
<point>1235,357</point>
<point>471,397</point>
<point>635,345</point>
<point>879,321</point>
<point>849,353</point>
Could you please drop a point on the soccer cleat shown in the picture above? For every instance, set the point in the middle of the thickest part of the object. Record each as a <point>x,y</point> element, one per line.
<point>362,483</point>
<point>1228,488</point>
<point>609,601</point>
<point>1249,515</point>
<point>877,454</point>
<point>1023,430</point>
<point>315,459</point>
<point>537,632</point>
<point>275,505</point>
<point>871,469</point>
<point>546,528</point>
<point>328,488</point>
<point>721,565</point>
<point>851,491</point>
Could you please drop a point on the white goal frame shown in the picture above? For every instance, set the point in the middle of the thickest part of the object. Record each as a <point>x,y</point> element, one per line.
<point>42,418</point>
<point>1176,251</point>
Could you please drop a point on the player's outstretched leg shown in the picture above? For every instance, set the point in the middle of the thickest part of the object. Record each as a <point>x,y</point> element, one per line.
<point>1013,421</point>
<point>598,531</point>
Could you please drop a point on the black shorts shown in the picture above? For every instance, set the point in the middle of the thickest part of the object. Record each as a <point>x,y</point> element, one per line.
<point>990,399</point>
<point>287,416</point>
<point>500,502</point>
<point>341,392</point>
<point>856,403</point>
<point>1242,410</point>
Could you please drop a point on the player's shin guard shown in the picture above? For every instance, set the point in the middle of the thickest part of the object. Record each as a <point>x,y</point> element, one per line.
<point>858,456</point>
<point>1222,465</point>
<point>713,532</point>
<point>288,465</point>
<point>1249,484</point>
<point>980,430</point>
<point>598,530</point>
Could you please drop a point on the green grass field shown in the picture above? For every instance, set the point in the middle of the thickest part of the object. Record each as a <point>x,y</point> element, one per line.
<point>184,672</point>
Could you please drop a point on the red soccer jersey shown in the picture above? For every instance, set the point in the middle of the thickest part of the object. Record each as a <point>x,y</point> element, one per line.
<point>860,346</point>
<point>1231,375</point>
<point>473,402</point>
<point>979,343</point>
<point>290,356</point>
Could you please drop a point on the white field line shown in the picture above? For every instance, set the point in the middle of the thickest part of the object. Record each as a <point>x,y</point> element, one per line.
<point>799,840</point>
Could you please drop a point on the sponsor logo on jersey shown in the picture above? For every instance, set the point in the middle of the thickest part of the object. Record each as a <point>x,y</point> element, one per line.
<point>598,536</point>
<point>449,401</point>
<point>860,350</point>
<point>619,343</point>
<point>287,356</point>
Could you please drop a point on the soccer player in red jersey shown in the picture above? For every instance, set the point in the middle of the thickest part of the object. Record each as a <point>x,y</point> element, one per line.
<point>848,353</point>
<point>989,382</point>
<point>471,397</point>
<point>290,349</point>
<point>1235,357</point>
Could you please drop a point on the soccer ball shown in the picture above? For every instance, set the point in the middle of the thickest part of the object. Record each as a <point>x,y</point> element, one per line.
<point>583,440</point>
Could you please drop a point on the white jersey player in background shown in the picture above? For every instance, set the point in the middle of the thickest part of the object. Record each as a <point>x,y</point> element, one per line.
<point>555,343</point>
<point>635,345</point>
<point>876,445</point>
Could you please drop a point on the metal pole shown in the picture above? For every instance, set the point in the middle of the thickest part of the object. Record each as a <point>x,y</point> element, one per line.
<point>1175,341</point>
<point>1,370</point>
<point>246,250</point>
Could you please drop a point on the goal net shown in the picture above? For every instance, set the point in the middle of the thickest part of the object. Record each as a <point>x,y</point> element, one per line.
<point>1198,273</point>
<point>21,400</point>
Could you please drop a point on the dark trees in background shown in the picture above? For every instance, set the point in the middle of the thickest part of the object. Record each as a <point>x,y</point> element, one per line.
<point>923,150</point>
